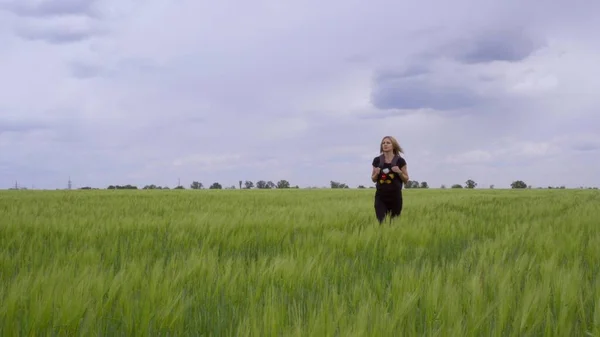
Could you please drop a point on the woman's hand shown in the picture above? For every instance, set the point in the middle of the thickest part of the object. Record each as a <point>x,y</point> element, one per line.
<point>375,173</point>
<point>404,174</point>
<point>396,169</point>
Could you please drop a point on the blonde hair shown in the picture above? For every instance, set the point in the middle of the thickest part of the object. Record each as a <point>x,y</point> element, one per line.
<point>397,149</point>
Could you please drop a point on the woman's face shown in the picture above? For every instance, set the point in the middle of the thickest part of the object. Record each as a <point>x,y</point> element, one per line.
<point>386,145</point>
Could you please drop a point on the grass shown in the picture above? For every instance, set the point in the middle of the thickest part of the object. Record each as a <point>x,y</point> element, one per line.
<point>299,263</point>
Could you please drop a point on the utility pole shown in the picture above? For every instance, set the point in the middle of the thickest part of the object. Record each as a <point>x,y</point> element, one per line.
<point>69,184</point>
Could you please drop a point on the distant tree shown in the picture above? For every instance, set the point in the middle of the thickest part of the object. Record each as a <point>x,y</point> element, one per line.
<point>248,184</point>
<point>180,187</point>
<point>215,186</point>
<point>518,184</point>
<point>411,184</point>
<point>283,184</point>
<point>470,184</point>
<point>443,186</point>
<point>270,184</point>
<point>240,184</point>
<point>457,186</point>
<point>424,185</point>
<point>196,185</point>
<point>361,186</point>
<point>261,184</point>
<point>491,187</point>
<point>119,187</point>
<point>335,184</point>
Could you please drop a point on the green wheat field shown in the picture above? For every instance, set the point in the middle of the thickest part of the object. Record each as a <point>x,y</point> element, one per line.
<point>299,262</point>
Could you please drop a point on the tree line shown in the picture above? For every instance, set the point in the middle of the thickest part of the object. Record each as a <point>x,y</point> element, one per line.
<point>197,185</point>
<point>284,184</point>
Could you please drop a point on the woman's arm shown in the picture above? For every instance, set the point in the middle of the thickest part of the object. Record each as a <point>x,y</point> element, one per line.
<point>375,173</point>
<point>404,174</point>
<point>376,169</point>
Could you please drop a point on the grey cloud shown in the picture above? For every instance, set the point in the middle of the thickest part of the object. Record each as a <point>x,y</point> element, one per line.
<point>121,68</point>
<point>511,45</point>
<point>587,146</point>
<point>47,8</point>
<point>447,77</point>
<point>58,36</point>
<point>389,113</point>
<point>407,93</point>
<point>357,58</point>
<point>411,70</point>
<point>59,29</point>
<point>585,143</point>
<point>59,132</point>
<point>84,71</point>
<point>19,126</point>
<point>394,113</point>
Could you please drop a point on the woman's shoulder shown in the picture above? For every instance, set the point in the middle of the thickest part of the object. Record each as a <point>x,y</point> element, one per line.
<point>376,160</point>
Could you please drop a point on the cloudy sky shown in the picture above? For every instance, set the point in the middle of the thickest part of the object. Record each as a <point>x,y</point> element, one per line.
<point>149,92</point>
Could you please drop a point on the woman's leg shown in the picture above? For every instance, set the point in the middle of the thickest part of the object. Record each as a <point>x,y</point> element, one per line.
<point>396,207</point>
<point>380,209</point>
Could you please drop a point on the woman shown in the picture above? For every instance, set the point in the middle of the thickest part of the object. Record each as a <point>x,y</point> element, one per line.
<point>389,173</point>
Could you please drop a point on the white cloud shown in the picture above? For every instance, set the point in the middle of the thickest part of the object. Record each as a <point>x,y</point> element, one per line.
<point>207,162</point>
<point>471,157</point>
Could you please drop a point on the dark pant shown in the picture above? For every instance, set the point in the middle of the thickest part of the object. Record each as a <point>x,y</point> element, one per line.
<point>388,205</point>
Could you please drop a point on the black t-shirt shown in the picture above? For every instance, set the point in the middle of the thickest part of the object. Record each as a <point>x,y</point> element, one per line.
<point>388,180</point>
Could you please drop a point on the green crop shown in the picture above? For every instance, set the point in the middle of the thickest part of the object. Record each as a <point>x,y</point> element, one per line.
<point>299,263</point>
